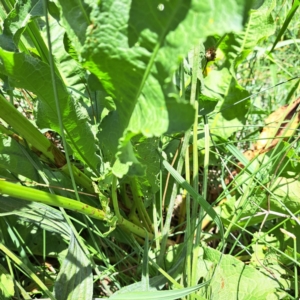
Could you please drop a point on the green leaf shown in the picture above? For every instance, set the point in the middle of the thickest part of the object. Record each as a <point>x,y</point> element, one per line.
<point>204,204</point>
<point>134,48</point>
<point>260,25</point>
<point>7,290</point>
<point>40,214</point>
<point>147,153</point>
<point>17,261</point>
<point>36,140</point>
<point>231,109</point>
<point>287,159</point>
<point>241,158</point>
<point>285,195</point>
<point>283,199</point>
<point>75,17</point>
<point>71,72</point>
<point>29,219</point>
<point>232,279</point>
<point>75,279</point>
<point>16,21</point>
<point>32,74</point>
<point>127,163</point>
<point>286,23</point>
<point>159,281</point>
<point>12,157</point>
<point>206,105</point>
<point>70,48</point>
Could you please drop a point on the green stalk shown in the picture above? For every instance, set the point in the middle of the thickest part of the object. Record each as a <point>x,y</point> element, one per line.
<point>115,198</point>
<point>197,245</point>
<point>14,136</point>
<point>155,223</point>
<point>137,198</point>
<point>167,225</point>
<point>80,178</point>
<point>127,225</point>
<point>29,194</point>
<point>295,268</point>
<point>193,100</point>
<point>188,231</point>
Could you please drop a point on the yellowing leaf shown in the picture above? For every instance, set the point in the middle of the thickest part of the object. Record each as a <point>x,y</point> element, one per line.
<point>6,284</point>
<point>281,124</point>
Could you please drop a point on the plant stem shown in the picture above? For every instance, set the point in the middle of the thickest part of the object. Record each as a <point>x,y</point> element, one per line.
<point>166,228</point>
<point>137,197</point>
<point>193,249</point>
<point>29,194</point>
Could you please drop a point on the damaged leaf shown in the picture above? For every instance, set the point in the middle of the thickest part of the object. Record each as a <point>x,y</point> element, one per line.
<point>281,124</point>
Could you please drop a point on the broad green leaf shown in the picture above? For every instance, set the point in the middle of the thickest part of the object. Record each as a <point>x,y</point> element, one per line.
<point>221,84</point>
<point>266,260</point>
<point>75,279</point>
<point>13,158</point>
<point>285,195</point>
<point>134,47</point>
<point>31,233</point>
<point>70,48</point>
<point>75,17</point>
<point>16,21</point>
<point>42,215</point>
<point>230,115</point>
<point>287,159</point>
<point>232,279</point>
<point>260,25</point>
<point>32,74</point>
<point>146,150</point>
<point>7,290</point>
<point>127,163</point>
<point>206,105</point>
<point>70,70</point>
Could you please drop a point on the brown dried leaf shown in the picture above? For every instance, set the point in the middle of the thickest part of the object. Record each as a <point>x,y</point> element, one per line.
<point>281,124</point>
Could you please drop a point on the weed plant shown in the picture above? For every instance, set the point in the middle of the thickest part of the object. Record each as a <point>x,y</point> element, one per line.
<point>137,155</point>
